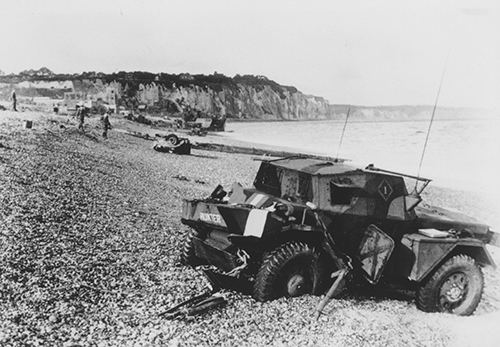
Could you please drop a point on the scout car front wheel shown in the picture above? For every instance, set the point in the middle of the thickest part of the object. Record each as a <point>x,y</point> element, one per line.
<point>292,269</point>
<point>456,287</point>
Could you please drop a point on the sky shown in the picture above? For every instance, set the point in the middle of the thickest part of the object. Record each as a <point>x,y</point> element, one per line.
<point>350,52</point>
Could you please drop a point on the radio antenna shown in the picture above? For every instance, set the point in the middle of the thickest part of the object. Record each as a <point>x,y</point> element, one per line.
<point>432,120</point>
<point>342,136</point>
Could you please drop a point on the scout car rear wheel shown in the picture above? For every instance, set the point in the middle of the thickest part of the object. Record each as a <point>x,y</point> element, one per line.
<point>456,287</point>
<point>188,256</point>
<point>292,269</point>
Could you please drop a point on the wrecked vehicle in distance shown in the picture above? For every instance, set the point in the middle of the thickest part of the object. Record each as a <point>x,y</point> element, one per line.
<point>307,218</point>
<point>171,143</point>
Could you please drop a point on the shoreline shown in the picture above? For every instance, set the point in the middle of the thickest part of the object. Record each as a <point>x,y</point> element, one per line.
<point>381,120</point>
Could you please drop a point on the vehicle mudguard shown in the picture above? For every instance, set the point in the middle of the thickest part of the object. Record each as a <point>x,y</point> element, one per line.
<point>420,254</point>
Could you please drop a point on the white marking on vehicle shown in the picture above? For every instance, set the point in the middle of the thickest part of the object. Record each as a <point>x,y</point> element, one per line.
<point>385,190</point>
<point>256,222</point>
<point>256,200</point>
<point>211,218</point>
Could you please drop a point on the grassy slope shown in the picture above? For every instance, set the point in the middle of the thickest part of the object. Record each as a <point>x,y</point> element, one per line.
<point>90,235</point>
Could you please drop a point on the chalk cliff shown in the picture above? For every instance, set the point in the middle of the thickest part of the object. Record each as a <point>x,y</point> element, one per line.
<point>242,102</point>
<point>238,97</point>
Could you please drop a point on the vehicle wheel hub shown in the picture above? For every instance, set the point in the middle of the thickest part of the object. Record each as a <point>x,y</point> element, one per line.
<point>453,291</point>
<point>455,294</point>
<point>296,285</point>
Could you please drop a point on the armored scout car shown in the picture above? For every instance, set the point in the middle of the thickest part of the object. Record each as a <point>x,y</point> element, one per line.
<point>307,218</point>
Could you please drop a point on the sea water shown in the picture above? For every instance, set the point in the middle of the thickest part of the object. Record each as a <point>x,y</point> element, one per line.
<point>461,154</point>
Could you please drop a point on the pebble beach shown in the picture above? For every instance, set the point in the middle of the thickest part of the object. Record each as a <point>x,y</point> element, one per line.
<point>90,236</point>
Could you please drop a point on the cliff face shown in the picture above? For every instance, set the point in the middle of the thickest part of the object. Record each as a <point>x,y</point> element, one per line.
<point>242,102</point>
<point>239,97</point>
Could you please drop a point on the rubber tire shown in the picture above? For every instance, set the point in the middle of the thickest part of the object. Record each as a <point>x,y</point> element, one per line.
<point>428,293</point>
<point>188,256</point>
<point>172,139</point>
<point>269,282</point>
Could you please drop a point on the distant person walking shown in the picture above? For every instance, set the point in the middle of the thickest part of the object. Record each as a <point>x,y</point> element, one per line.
<point>13,97</point>
<point>77,112</point>
<point>80,115</point>
<point>106,125</point>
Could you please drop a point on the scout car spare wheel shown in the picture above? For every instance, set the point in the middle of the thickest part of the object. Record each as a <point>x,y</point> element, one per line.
<point>456,287</point>
<point>292,269</point>
<point>188,256</point>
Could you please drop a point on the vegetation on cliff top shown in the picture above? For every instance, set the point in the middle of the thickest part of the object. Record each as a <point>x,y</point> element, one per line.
<point>215,81</point>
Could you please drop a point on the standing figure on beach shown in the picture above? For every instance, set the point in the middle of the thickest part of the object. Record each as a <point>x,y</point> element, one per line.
<point>14,100</point>
<point>80,114</point>
<point>106,125</point>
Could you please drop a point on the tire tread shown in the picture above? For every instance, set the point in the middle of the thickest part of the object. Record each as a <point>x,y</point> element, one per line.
<point>273,264</point>
<point>425,294</point>
<point>188,256</point>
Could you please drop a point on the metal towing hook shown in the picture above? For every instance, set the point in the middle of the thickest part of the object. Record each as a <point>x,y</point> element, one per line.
<point>198,304</point>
